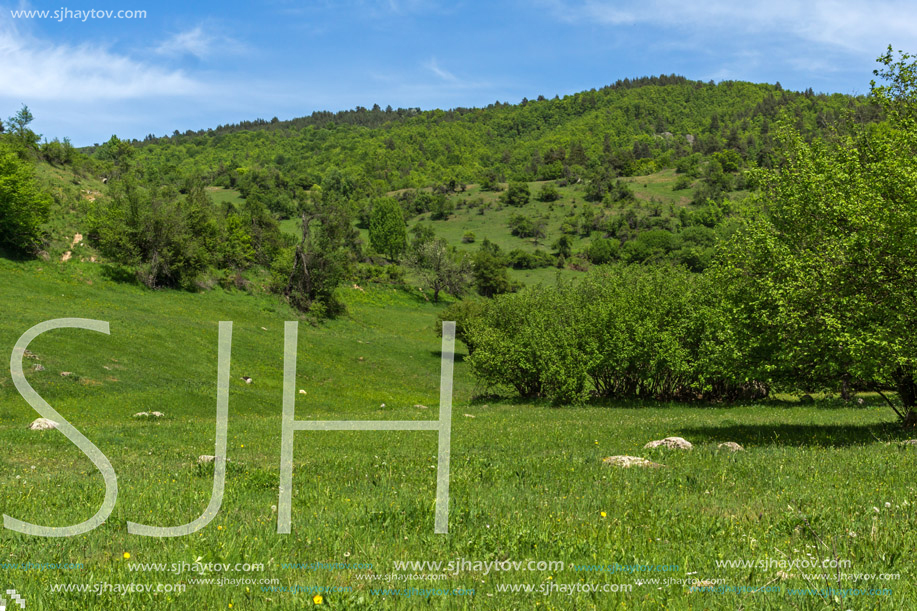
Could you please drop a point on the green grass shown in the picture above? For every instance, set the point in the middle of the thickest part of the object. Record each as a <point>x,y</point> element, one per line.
<point>527,481</point>
<point>221,194</point>
<point>292,227</point>
<point>659,187</point>
<point>492,224</point>
<point>490,219</point>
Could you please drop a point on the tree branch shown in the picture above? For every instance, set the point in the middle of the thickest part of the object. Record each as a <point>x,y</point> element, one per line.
<point>890,404</point>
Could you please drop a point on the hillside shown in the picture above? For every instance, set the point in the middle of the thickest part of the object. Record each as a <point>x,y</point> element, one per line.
<point>635,127</point>
<point>642,171</point>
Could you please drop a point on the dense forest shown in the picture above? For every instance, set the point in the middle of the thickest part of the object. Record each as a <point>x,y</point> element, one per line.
<point>696,240</point>
<point>630,128</point>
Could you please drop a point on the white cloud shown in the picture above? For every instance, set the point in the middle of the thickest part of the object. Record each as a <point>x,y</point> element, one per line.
<point>445,75</point>
<point>194,42</point>
<point>200,43</point>
<point>845,24</point>
<point>35,69</point>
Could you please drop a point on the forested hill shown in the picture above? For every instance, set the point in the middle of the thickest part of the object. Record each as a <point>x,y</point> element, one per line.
<point>633,127</point>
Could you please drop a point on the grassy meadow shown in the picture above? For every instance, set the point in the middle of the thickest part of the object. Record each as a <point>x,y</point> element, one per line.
<point>826,481</point>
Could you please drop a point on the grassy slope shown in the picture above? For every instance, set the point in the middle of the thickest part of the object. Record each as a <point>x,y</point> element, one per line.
<point>527,481</point>
<point>71,193</point>
<point>492,223</point>
<point>490,220</point>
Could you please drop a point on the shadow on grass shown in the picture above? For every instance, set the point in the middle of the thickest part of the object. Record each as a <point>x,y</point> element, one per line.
<point>508,397</point>
<point>459,356</point>
<point>825,435</point>
<point>14,255</point>
<point>512,399</point>
<point>120,273</point>
<point>869,402</point>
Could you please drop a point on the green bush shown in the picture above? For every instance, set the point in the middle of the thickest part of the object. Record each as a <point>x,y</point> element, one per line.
<point>180,241</point>
<point>169,240</point>
<point>522,341</point>
<point>522,259</point>
<point>387,231</point>
<point>23,207</point>
<point>602,251</point>
<point>441,208</point>
<point>489,270</point>
<point>623,332</point>
<point>465,313</point>
<point>516,195</point>
<point>683,182</point>
<point>548,193</point>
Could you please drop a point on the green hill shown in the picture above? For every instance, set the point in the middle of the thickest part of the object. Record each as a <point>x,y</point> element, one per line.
<point>634,127</point>
<point>647,170</point>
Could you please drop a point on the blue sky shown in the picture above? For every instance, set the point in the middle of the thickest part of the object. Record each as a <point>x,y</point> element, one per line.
<point>197,64</point>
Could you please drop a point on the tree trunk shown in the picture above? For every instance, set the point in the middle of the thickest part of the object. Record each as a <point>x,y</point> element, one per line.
<point>846,395</point>
<point>907,394</point>
<point>910,420</point>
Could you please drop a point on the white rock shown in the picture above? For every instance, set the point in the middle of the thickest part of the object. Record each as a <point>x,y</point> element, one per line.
<point>731,446</point>
<point>42,424</point>
<point>629,461</point>
<point>673,443</point>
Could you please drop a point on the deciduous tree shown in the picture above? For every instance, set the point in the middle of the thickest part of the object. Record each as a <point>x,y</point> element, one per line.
<point>23,206</point>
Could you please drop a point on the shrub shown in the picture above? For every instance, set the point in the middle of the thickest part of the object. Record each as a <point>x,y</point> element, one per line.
<point>489,270</point>
<point>683,182</point>
<point>521,341</point>
<point>623,332</point>
<point>602,251</point>
<point>521,259</point>
<point>466,314</point>
<point>387,232</point>
<point>169,240</point>
<point>441,208</point>
<point>516,195</point>
<point>23,206</point>
<point>490,181</point>
<point>548,193</point>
